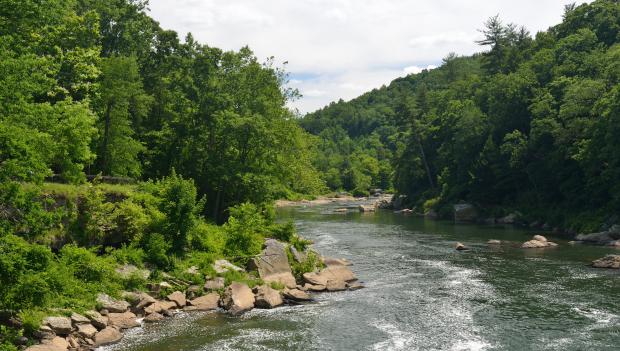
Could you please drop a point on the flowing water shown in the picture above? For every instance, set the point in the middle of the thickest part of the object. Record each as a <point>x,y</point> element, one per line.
<point>421,294</point>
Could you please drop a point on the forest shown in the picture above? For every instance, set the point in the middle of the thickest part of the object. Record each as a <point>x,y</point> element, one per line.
<point>184,147</point>
<point>530,124</point>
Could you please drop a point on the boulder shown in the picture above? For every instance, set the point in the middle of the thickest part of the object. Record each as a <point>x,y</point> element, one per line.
<point>538,241</point>
<point>77,318</point>
<point>272,265</point>
<point>46,347</point>
<point>267,297</point>
<point>338,273</point>
<point>44,332</point>
<point>223,266</point>
<point>86,330</point>
<point>111,304</point>
<point>299,257</point>
<point>178,298</point>
<point>601,238</point>
<point>336,285</point>
<point>214,284</point>
<point>297,295</point>
<point>159,307</point>
<point>127,270</point>
<point>609,261</point>
<point>494,242</point>
<point>107,336</point>
<point>238,298</point>
<point>153,317</point>
<point>460,247</point>
<point>313,278</point>
<point>97,320</point>
<point>73,342</point>
<point>312,287</point>
<point>465,213</point>
<point>367,208</point>
<point>145,301</point>
<point>355,286</point>
<point>123,320</point>
<point>205,303</point>
<point>58,342</point>
<point>59,325</point>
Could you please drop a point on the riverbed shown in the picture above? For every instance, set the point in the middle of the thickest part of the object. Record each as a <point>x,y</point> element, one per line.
<point>420,294</point>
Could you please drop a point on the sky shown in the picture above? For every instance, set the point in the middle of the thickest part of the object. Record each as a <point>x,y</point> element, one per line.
<point>339,49</point>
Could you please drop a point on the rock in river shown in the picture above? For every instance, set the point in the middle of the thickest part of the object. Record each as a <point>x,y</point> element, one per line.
<point>109,335</point>
<point>205,303</point>
<point>266,297</point>
<point>238,298</point>
<point>609,261</point>
<point>538,241</point>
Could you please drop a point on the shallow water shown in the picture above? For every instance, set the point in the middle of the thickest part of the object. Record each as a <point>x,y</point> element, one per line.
<point>421,294</point>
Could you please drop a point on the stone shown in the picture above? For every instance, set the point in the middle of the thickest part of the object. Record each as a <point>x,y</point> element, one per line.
<point>45,347</point>
<point>299,257</point>
<point>73,342</point>
<point>97,320</point>
<point>107,336</point>
<point>460,247</point>
<point>336,285</point>
<point>355,286</point>
<point>205,303</point>
<point>313,278</point>
<point>86,330</point>
<point>312,287</point>
<point>77,318</point>
<point>159,307</point>
<point>214,284</point>
<point>540,238</point>
<point>153,317</point>
<point>338,273</point>
<point>112,305</point>
<point>60,342</point>
<point>165,285</point>
<point>600,238</point>
<point>534,244</point>
<point>465,213</point>
<point>367,208</point>
<point>494,242</point>
<point>123,320</point>
<point>59,325</point>
<point>238,298</point>
<point>272,264</point>
<point>609,261</point>
<point>223,266</point>
<point>44,332</point>
<point>267,297</point>
<point>146,301</point>
<point>178,298</point>
<point>297,295</point>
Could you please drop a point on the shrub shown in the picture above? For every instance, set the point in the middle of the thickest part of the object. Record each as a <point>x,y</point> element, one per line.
<point>208,238</point>
<point>244,232</point>
<point>128,255</point>
<point>311,263</point>
<point>156,250</point>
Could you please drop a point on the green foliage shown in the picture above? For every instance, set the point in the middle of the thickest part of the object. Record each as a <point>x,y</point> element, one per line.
<point>156,249</point>
<point>244,230</point>
<point>311,263</point>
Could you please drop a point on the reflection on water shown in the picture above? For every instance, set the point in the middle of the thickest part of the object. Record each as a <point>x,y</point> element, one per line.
<point>421,295</point>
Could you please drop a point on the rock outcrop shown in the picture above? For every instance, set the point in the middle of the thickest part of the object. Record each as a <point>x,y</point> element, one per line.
<point>107,336</point>
<point>59,325</point>
<point>178,298</point>
<point>238,298</point>
<point>273,266</point>
<point>608,237</point>
<point>609,261</point>
<point>112,305</point>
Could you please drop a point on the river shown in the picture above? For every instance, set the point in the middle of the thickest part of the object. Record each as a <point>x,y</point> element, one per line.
<point>421,294</point>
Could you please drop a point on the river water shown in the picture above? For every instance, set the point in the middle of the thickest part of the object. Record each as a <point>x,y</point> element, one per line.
<point>421,294</point>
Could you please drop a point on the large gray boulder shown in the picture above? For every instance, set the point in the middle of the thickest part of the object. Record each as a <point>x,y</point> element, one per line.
<point>465,213</point>
<point>59,325</point>
<point>97,320</point>
<point>111,304</point>
<point>86,330</point>
<point>238,298</point>
<point>273,266</point>
<point>266,297</point>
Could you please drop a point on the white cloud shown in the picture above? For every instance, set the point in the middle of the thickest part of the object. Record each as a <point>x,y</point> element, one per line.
<point>417,69</point>
<point>341,48</point>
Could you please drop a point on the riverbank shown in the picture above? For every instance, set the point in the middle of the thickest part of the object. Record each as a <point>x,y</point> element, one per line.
<point>284,276</point>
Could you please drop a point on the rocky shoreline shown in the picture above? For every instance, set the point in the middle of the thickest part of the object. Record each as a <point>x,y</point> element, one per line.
<point>106,324</point>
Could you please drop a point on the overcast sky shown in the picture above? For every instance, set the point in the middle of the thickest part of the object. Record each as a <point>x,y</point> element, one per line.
<point>343,48</point>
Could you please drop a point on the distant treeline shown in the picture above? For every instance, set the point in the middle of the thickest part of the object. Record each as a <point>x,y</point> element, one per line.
<point>532,123</point>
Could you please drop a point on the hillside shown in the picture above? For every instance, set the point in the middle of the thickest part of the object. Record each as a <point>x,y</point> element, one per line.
<point>529,124</point>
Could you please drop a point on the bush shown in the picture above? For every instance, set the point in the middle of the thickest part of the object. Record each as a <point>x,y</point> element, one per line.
<point>208,238</point>
<point>128,255</point>
<point>311,263</point>
<point>244,232</point>
<point>156,250</point>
